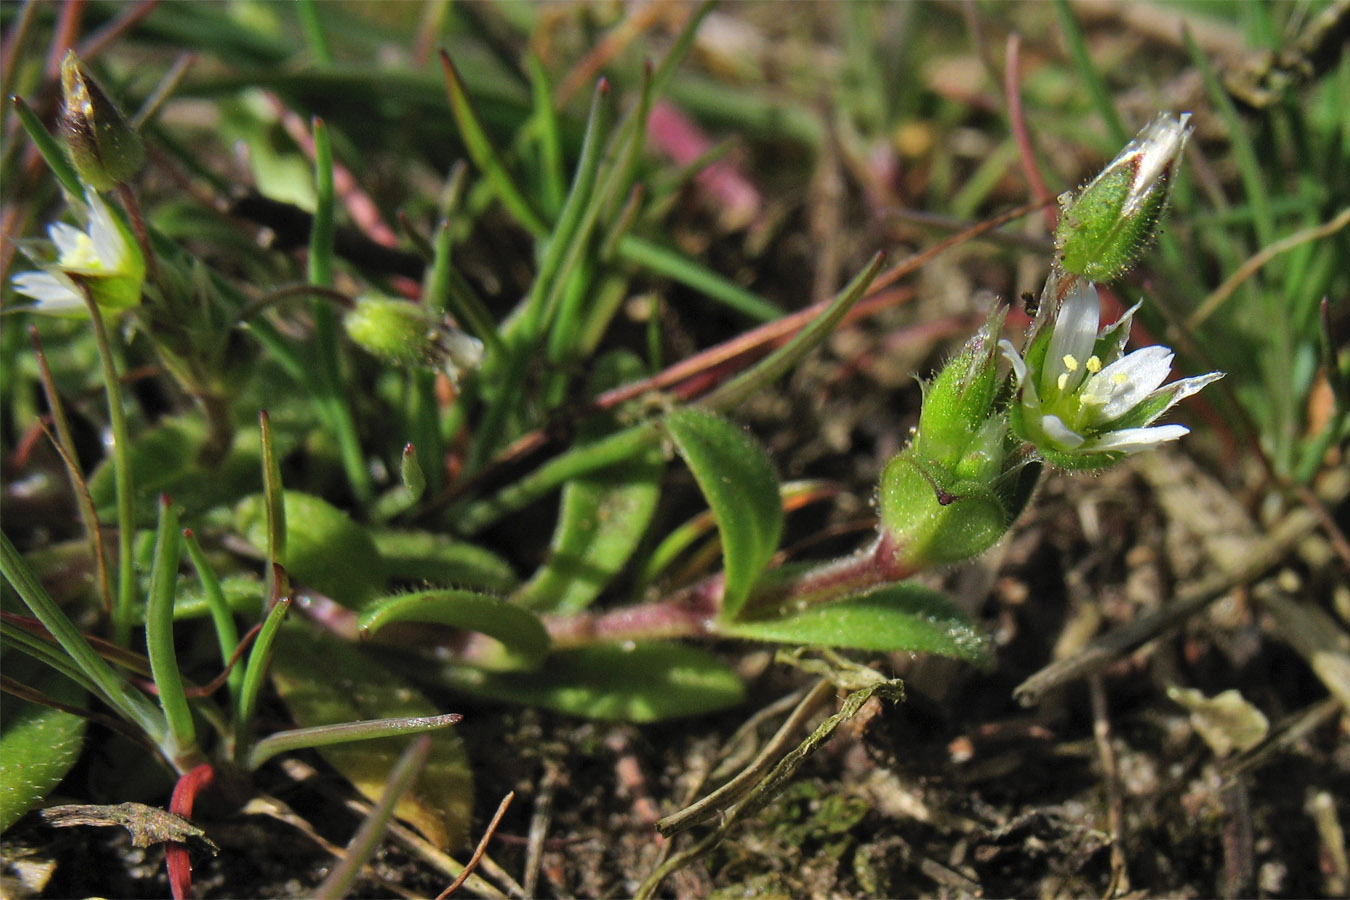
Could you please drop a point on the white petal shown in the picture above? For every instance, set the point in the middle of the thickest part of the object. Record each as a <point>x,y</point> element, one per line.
<point>1010,353</point>
<point>1063,437</point>
<point>52,292</point>
<point>1131,440</point>
<point>1180,390</point>
<point>1075,333</point>
<point>109,245</point>
<point>67,238</point>
<point>1126,382</point>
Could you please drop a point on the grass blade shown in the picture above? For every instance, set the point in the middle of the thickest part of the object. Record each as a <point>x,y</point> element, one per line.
<point>159,634</point>
<point>115,690</point>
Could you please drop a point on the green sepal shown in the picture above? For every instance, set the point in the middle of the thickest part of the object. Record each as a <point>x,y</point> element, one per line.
<point>933,518</point>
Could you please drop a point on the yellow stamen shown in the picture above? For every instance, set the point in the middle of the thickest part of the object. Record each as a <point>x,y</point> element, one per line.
<point>1070,363</point>
<point>1094,365</point>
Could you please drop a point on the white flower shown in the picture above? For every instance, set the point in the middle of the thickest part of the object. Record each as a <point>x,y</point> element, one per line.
<point>1081,401</point>
<point>105,258</point>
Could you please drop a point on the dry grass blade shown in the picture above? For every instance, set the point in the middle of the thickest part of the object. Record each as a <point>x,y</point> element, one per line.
<point>480,849</point>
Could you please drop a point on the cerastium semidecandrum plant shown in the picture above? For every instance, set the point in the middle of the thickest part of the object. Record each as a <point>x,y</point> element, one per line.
<point>991,420</point>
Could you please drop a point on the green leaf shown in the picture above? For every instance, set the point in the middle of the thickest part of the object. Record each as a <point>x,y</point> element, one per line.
<point>324,682</point>
<point>579,460</point>
<point>737,480</point>
<point>38,745</point>
<point>524,640</point>
<point>897,617</point>
<point>602,521</point>
<point>421,556</point>
<point>325,549</point>
<point>633,682</point>
<point>164,460</point>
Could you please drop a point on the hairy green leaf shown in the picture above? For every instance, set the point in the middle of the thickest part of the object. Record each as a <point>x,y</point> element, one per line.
<point>737,480</point>
<point>633,682</point>
<point>895,617</point>
<point>38,745</point>
<point>524,640</point>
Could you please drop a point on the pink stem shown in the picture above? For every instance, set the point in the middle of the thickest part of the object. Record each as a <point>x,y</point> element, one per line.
<point>1017,118</point>
<point>176,858</point>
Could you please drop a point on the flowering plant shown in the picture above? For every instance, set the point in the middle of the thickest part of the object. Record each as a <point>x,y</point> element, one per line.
<point>103,259</point>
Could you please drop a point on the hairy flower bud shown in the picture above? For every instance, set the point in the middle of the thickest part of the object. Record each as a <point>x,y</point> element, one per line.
<point>103,146</point>
<point>409,335</point>
<point>1114,217</point>
<point>959,402</point>
<point>946,497</point>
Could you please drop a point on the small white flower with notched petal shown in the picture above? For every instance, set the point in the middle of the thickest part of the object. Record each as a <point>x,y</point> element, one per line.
<point>1084,403</point>
<point>105,258</point>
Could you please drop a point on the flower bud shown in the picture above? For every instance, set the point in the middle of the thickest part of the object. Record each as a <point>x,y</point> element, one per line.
<point>1104,228</point>
<point>103,146</point>
<point>959,402</point>
<point>409,335</point>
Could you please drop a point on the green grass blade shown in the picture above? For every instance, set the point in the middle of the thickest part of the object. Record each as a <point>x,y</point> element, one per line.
<point>1244,153</point>
<point>447,289</point>
<point>159,632</point>
<point>578,216</point>
<point>115,690</point>
<point>1091,76</point>
<point>582,460</point>
<point>122,478</point>
<point>675,266</point>
<point>485,156</point>
<point>326,735</point>
<point>308,13</point>
<point>736,391</point>
<point>332,396</point>
<point>366,841</point>
<point>547,136</point>
<point>255,671</point>
<point>222,617</point>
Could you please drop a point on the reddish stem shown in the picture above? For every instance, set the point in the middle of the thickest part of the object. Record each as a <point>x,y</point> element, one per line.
<point>176,858</point>
<point>693,611</point>
<point>1018,120</point>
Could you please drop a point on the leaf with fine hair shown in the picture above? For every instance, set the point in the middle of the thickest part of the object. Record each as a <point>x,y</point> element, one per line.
<point>737,480</point>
